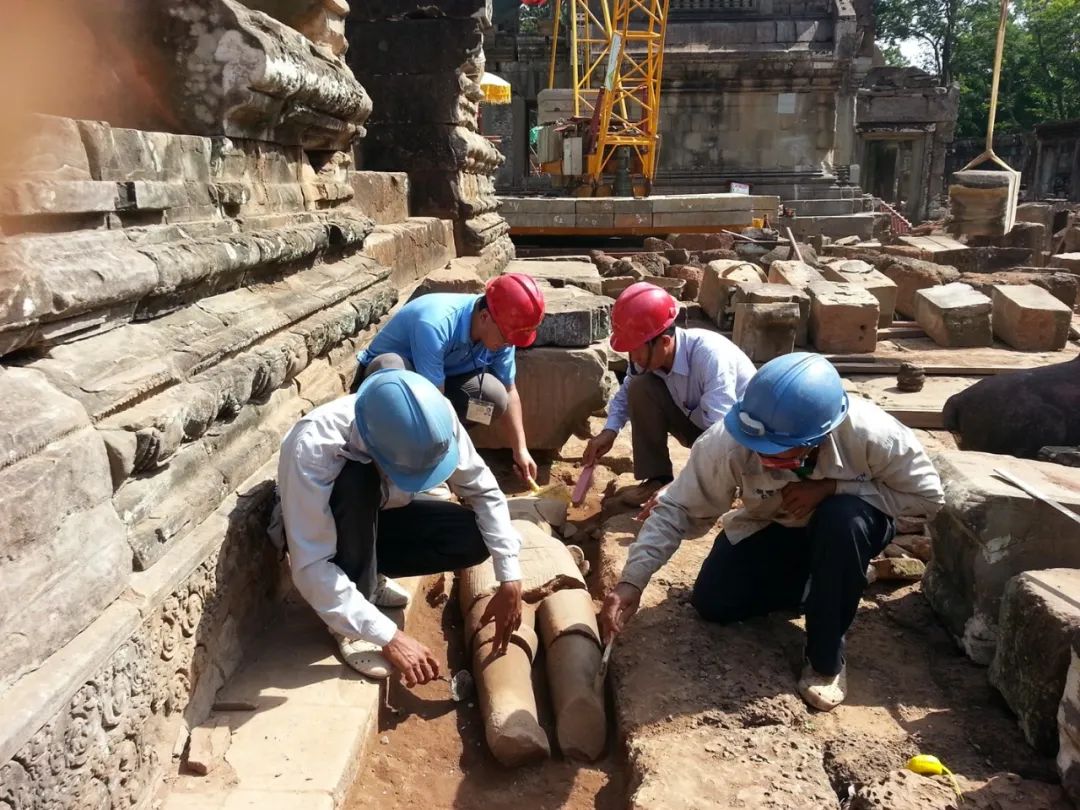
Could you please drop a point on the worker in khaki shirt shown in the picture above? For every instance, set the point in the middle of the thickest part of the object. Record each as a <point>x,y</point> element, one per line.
<point>679,382</point>
<point>349,475</point>
<point>822,480</point>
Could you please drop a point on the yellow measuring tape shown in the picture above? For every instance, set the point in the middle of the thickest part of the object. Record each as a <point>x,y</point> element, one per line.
<point>929,765</point>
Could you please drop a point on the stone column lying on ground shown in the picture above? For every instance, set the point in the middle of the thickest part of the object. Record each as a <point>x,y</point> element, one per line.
<point>954,315</point>
<point>1029,318</point>
<point>989,531</point>
<point>843,318</point>
<point>506,697</point>
<point>567,621</point>
<point>546,567</point>
<point>1037,626</point>
<point>765,331</point>
<point>507,702</point>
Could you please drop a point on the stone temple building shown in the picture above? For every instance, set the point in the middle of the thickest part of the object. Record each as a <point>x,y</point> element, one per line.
<point>189,261</point>
<point>790,96</point>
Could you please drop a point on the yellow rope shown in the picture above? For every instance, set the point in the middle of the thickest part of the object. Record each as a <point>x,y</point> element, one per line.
<point>989,154</point>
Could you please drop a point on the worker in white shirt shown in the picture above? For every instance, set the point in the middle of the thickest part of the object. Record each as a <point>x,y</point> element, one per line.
<point>822,480</point>
<point>347,477</point>
<point>679,382</point>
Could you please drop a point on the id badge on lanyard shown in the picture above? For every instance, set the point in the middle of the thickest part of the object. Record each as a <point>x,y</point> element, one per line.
<point>479,410</point>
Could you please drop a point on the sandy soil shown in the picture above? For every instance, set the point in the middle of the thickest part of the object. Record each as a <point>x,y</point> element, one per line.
<point>708,716</point>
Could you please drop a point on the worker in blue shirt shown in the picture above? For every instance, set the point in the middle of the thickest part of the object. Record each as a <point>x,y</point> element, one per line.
<point>680,382</point>
<point>464,344</point>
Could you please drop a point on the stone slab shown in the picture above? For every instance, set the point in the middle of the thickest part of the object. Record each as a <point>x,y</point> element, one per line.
<point>1038,626</point>
<point>1029,318</point>
<point>559,389</point>
<point>573,318</point>
<point>581,273</point>
<point>312,720</point>
<point>883,288</point>
<point>989,531</point>
<point>766,330</point>
<point>794,273</point>
<point>55,492</point>
<point>718,280</point>
<point>911,275</point>
<point>843,318</point>
<point>413,248</point>
<point>1066,261</point>
<point>954,315</point>
<point>383,196</point>
<point>1068,756</point>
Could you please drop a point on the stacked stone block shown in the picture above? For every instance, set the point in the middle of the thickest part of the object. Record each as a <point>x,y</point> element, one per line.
<point>170,303</point>
<point>422,63</point>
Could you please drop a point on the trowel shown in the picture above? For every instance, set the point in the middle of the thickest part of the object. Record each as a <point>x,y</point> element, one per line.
<point>605,659</point>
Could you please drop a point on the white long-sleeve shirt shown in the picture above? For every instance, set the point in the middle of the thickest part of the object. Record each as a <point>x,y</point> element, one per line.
<point>870,455</point>
<point>312,456</point>
<point>707,378</point>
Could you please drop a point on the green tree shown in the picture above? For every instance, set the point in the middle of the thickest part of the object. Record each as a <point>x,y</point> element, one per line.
<point>1040,74</point>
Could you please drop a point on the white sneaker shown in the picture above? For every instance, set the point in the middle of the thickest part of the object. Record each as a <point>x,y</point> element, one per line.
<point>364,656</point>
<point>823,692</point>
<point>389,594</point>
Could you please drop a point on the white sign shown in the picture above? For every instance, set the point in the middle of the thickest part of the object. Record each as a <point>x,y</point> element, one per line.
<point>785,103</point>
<point>739,188</point>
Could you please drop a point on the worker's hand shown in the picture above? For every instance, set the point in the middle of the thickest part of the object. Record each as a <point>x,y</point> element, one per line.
<point>620,605</point>
<point>599,445</point>
<point>650,504</point>
<point>505,610</point>
<point>526,467</point>
<point>412,659</point>
<point>801,498</point>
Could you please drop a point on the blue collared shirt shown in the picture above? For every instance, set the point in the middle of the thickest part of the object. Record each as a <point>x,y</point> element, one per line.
<point>707,378</point>
<point>432,333</point>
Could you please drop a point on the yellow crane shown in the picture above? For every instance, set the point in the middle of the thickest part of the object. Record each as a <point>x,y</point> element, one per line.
<point>616,52</point>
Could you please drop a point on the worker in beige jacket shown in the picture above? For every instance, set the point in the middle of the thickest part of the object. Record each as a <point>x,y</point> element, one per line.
<point>822,480</point>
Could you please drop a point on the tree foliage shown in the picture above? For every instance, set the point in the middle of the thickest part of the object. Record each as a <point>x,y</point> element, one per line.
<point>1040,74</point>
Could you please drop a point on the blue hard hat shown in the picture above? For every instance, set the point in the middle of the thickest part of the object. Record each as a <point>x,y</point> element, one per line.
<point>795,400</point>
<point>408,428</point>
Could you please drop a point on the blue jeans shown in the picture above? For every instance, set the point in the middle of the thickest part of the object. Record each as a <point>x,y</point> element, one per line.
<point>769,571</point>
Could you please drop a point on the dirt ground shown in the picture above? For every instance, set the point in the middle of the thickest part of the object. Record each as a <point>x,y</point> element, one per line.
<point>708,716</point>
<point>433,753</point>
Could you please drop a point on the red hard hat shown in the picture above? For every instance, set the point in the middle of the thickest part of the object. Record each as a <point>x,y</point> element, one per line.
<point>517,307</point>
<point>641,313</point>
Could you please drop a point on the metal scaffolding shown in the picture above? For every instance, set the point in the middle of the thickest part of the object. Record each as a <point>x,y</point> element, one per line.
<point>621,41</point>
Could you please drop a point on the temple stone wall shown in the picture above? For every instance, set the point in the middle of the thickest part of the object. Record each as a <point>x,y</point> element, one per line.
<point>422,61</point>
<point>185,269</point>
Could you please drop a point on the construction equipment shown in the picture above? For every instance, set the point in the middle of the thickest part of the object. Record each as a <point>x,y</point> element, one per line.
<point>616,54</point>
<point>983,203</point>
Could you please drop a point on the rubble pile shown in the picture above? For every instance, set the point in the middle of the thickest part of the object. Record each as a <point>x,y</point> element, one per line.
<point>1019,289</point>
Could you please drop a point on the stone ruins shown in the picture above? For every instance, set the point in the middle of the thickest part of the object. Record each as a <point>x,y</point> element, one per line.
<point>190,261</point>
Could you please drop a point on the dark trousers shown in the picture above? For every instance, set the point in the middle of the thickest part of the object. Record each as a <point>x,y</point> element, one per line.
<point>459,389</point>
<point>653,415</point>
<point>423,537</point>
<point>769,570</point>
